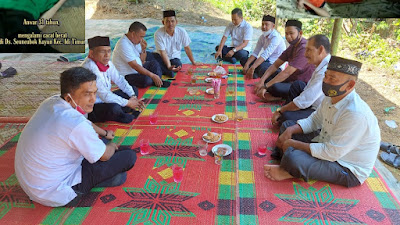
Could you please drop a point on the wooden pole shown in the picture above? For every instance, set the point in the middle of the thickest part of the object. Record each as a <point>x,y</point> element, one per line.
<point>336,34</point>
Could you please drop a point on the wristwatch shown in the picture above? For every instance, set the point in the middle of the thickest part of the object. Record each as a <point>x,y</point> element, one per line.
<point>234,50</point>
<point>279,110</point>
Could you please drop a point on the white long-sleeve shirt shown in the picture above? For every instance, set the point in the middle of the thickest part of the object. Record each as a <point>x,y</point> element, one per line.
<point>312,94</point>
<point>271,46</point>
<point>103,82</point>
<point>349,134</point>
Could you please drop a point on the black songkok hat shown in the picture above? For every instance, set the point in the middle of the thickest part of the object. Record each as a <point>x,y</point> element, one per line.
<point>343,65</point>
<point>294,23</point>
<point>98,41</point>
<point>268,18</point>
<point>168,13</point>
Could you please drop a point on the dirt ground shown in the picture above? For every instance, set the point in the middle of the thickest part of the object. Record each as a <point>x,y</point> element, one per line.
<point>378,87</point>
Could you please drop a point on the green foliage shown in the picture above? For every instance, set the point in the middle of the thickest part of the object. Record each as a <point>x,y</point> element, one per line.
<point>322,26</point>
<point>253,10</point>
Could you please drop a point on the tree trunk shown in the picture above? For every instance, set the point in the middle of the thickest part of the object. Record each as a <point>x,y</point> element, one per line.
<point>336,34</point>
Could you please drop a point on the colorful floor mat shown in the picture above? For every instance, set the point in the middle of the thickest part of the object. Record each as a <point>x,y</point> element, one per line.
<point>235,192</point>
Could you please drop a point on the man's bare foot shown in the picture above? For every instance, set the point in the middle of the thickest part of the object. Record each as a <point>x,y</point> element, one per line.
<point>269,98</point>
<point>276,173</point>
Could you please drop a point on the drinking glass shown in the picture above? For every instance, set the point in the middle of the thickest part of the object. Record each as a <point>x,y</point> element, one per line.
<point>153,118</point>
<point>262,149</point>
<point>144,146</point>
<point>177,172</point>
<point>202,148</point>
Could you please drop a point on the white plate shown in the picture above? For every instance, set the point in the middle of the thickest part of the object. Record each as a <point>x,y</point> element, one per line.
<point>208,79</point>
<point>229,149</point>
<point>208,141</point>
<point>208,91</point>
<point>213,118</point>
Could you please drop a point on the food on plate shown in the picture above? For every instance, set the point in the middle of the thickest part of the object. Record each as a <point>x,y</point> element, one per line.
<point>220,118</point>
<point>221,151</point>
<point>212,137</point>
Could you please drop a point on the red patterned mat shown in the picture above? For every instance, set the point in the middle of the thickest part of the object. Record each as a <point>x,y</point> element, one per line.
<point>235,192</point>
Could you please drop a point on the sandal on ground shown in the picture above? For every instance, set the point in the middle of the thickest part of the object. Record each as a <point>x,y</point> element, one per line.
<point>391,159</point>
<point>390,148</point>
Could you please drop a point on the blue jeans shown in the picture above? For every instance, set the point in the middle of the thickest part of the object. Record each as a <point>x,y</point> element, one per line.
<point>108,173</point>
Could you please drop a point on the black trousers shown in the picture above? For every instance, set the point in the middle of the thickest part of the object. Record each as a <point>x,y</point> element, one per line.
<point>112,111</point>
<point>174,62</point>
<point>295,90</point>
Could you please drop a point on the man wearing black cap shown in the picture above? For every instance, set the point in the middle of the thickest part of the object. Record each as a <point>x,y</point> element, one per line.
<point>169,40</point>
<point>272,44</point>
<point>130,55</point>
<point>110,106</point>
<point>345,150</point>
<point>273,85</point>
<point>242,33</point>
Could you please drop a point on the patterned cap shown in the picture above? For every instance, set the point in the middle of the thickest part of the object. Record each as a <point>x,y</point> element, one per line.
<point>98,41</point>
<point>294,23</point>
<point>168,13</point>
<point>268,18</point>
<point>343,65</point>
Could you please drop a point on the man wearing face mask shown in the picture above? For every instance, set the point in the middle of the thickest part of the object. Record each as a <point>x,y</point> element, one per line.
<point>272,44</point>
<point>242,33</point>
<point>274,85</point>
<point>110,106</point>
<point>345,150</point>
<point>130,56</point>
<point>59,157</point>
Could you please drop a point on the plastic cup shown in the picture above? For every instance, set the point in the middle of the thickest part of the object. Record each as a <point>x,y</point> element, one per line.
<point>218,158</point>
<point>193,79</point>
<point>153,118</point>
<point>144,146</point>
<point>239,116</point>
<point>262,150</point>
<point>202,148</point>
<point>177,172</point>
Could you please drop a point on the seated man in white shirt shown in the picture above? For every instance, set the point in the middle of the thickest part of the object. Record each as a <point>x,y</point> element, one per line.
<point>169,40</point>
<point>242,33</point>
<point>59,156</point>
<point>129,57</point>
<point>304,98</point>
<point>345,150</point>
<point>272,45</point>
<point>120,105</point>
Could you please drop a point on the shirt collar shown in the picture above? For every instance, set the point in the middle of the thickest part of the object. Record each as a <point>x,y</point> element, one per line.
<point>342,102</point>
<point>324,62</point>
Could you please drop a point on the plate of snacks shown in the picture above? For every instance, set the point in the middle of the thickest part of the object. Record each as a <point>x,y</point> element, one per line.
<point>210,91</point>
<point>212,74</point>
<point>211,137</point>
<point>219,118</point>
<point>208,79</point>
<point>222,149</point>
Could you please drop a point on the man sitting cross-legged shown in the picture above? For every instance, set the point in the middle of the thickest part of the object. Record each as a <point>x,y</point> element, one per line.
<point>169,40</point>
<point>345,150</point>
<point>59,156</point>
<point>120,105</point>
<point>273,85</point>
<point>129,57</point>
<point>303,97</point>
